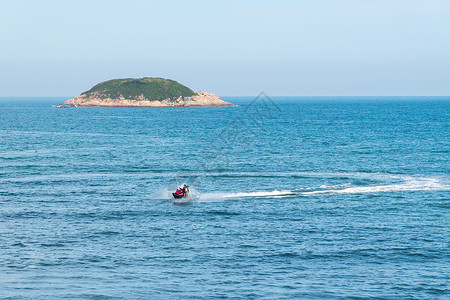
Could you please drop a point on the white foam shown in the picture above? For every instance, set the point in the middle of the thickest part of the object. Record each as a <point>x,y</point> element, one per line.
<point>409,184</point>
<point>260,194</point>
<point>333,186</point>
<point>220,196</point>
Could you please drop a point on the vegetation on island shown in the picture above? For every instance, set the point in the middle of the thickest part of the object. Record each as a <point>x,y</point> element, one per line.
<point>135,89</point>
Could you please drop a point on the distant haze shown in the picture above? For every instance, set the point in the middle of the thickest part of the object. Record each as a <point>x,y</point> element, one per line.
<point>301,47</point>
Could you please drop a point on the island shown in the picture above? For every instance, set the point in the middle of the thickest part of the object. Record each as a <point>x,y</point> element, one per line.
<point>144,92</point>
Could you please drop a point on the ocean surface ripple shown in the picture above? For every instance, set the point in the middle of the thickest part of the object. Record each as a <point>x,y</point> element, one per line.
<point>309,198</point>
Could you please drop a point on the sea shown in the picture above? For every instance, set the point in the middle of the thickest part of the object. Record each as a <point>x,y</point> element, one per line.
<point>290,198</point>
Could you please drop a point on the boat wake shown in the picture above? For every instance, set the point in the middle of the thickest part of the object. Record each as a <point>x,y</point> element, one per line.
<point>402,184</point>
<point>269,194</point>
<point>409,184</point>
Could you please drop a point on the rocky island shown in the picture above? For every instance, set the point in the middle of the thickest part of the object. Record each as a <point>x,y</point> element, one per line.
<point>143,92</point>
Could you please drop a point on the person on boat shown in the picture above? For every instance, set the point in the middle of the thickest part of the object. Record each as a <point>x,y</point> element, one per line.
<point>186,190</point>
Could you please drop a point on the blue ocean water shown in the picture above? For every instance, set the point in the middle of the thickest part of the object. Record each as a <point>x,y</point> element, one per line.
<point>291,198</point>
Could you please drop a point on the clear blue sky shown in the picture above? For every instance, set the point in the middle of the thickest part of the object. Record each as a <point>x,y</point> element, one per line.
<point>282,47</point>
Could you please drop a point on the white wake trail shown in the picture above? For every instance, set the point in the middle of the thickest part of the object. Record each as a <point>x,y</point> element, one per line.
<point>220,196</point>
<point>386,183</point>
<point>410,184</point>
<point>407,184</point>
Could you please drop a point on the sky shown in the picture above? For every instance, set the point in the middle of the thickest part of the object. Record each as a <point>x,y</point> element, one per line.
<point>230,48</point>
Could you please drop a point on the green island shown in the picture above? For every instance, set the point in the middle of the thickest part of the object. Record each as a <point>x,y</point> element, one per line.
<point>150,88</point>
<point>144,92</point>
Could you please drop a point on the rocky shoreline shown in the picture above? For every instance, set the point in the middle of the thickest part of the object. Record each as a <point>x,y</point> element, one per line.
<point>198,100</point>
